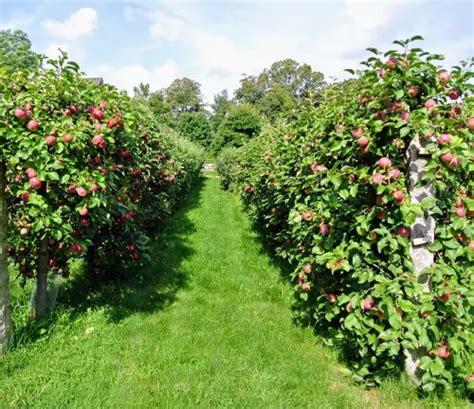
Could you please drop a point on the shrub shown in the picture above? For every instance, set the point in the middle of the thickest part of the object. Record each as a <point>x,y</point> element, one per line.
<point>334,200</point>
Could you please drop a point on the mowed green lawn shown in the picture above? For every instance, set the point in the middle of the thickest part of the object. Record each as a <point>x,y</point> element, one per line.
<point>206,324</point>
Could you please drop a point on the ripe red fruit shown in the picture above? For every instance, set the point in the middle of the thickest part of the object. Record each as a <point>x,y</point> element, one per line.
<point>460,212</point>
<point>470,123</point>
<point>136,255</point>
<point>443,352</point>
<point>131,247</point>
<point>52,262</point>
<point>31,173</point>
<point>430,103</point>
<point>391,62</point>
<point>98,141</point>
<point>332,298</point>
<point>50,140</point>
<point>382,72</point>
<point>379,199</point>
<point>98,114</point>
<point>67,112</point>
<point>377,179</point>
<point>454,162</point>
<point>398,196</point>
<point>307,268</point>
<point>74,109</point>
<point>32,125</point>
<point>84,211</point>
<point>357,133</point>
<point>404,231</point>
<point>90,109</point>
<point>405,116</point>
<point>443,76</point>
<point>444,139</point>
<point>35,183</point>
<point>67,138</point>
<point>75,248</point>
<point>352,178</point>
<point>94,187</point>
<point>363,141</point>
<point>459,203</point>
<point>394,173</point>
<point>384,163</point>
<point>453,94</point>
<point>20,113</point>
<point>82,192</point>
<point>324,228</point>
<point>368,304</point>
<point>112,123</point>
<point>447,157</point>
<point>85,221</point>
<point>25,196</point>
<point>413,91</point>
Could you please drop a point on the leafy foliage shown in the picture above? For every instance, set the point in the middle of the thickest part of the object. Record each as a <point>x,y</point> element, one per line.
<point>90,172</point>
<point>331,194</point>
<point>15,50</point>
<point>196,127</point>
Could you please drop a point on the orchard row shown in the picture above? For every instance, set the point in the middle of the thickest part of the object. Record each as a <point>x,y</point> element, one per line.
<point>331,191</point>
<point>89,174</point>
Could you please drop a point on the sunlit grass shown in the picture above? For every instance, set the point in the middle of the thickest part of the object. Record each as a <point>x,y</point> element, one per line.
<point>207,324</point>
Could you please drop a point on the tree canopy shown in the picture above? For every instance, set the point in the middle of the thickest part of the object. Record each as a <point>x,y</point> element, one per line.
<point>15,50</point>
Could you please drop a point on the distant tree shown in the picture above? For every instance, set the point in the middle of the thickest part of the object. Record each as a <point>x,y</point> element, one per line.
<point>195,126</point>
<point>184,95</point>
<point>220,108</point>
<point>242,123</point>
<point>278,89</point>
<point>15,50</point>
<point>143,90</point>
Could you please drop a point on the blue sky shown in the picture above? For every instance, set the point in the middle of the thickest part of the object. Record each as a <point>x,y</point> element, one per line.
<point>215,42</point>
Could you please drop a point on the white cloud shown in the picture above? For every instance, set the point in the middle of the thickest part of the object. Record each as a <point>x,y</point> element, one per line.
<point>76,52</point>
<point>81,23</point>
<point>166,27</point>
<point>127,76</point>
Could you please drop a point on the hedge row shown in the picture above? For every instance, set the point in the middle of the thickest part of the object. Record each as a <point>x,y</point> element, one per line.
<point>90,174</point>
<point>331,193</point>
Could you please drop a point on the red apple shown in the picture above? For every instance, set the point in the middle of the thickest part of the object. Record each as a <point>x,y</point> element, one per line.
<point>430,103</point>
<point>384,163</point>
<point>32,125</point>
<point>394,173</point>
<point>404,231</point>
<point>447,157</point>
<point>453,94</point>
<point>324,228</point>
<point>413,91</point>
<point>444,139</point>
<point>35,183</point>
<point>459,203</point>
<point>460,212</point>
<point>20,113</point>
<point>405,116</point>
<point>470,123</point>
<point>445,297</point>
<point>368,304</point>
<point>98,114</point>
<point>84,211</point>
<point>25,196</point>
<point>67,112</point>
<point>377,179</point>
<point>67,138</point>
<point>332,298</point>
<point>357,133</point>
<point>443,352</point>
<point>50,140</point>
<point>31,173</point>
<point>363,141</point>
<point>391,62</point>
<point>82,192</point>
<point>382,72</point>
<point>443,76</point>
<point>398,196</point>
<point>98,141</point>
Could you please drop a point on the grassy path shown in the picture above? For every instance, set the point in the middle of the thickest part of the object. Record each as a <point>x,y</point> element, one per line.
<point>207,324</point>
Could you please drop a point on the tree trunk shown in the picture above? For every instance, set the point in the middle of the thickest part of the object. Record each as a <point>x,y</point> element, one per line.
<point>6,328</point>
<point>422,235</point>
<point>40,297</point>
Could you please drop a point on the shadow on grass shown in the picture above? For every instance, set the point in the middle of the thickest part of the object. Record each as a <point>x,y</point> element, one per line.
<point>151,287</point>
